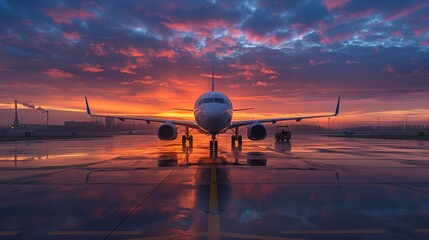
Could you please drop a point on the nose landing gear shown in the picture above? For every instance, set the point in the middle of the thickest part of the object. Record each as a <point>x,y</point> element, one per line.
<point>213,144</point>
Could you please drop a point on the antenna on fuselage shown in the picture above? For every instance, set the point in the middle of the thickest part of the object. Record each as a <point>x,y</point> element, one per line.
<point>212,79</point>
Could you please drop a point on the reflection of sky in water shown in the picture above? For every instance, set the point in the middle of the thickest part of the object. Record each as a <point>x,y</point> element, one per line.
<point>263,188</point>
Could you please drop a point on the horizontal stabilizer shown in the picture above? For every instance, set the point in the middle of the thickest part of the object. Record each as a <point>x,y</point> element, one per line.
<point>184,109</point>
<point>243,109</point>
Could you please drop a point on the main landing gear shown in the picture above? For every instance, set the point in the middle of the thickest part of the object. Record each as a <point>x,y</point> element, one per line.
<point>236,138</point>
<point>187,138</point>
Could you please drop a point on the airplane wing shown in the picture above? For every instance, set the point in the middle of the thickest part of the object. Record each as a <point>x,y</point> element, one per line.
<point>274,120</point>
<point>146,119</point>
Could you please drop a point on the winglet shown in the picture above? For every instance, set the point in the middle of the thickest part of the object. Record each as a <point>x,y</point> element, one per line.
<point>87,107</point>
<point>212,79</point>
<point>337,110</point>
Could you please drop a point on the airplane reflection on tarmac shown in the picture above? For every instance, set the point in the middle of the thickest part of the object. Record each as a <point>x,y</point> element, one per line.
<point>283,147</point>
<point>322,188</point>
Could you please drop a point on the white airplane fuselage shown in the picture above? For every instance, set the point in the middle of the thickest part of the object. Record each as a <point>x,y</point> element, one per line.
<point>213,112</point>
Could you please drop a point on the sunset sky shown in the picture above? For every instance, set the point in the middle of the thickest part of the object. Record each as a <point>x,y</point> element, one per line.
<point>282,57</point>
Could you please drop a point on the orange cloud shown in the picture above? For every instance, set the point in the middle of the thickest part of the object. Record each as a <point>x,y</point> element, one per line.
<point>72,35</point>
<point>57,73</point>
<point>97,49</point>
<point>389,69</point>
<point>170,54</point>
<point>90,68</point>
<point>130,52</point>
<point>313,62</point>
<point>127,68</point>
<point>146,80</point>
<point>182,27</point>
<point>262,84</point>
<point>331,4</point>
<point>63,14</point>
<point>406,12</point>
<point>351,61</point>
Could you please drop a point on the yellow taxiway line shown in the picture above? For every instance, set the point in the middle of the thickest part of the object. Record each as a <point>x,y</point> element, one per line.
<point>334,231</point>
<point>251,236</point>
<point>82,233</point>
<point>213,221</point>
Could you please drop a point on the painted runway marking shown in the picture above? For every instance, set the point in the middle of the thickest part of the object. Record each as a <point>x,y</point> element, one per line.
<point>213,221</point>
<point>422,230</point>
<point>223,234</point>
<point>8,233</point>
<point>86,233</point>
<point>334,231</point>
<point>251,236</point>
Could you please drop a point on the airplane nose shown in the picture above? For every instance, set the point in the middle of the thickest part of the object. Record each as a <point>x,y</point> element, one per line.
<point>217,114</point>
<point>216,111</point>
<point>215,120</point>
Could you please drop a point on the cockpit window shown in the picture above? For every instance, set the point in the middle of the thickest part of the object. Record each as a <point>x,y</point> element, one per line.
<point>219,100</point>
<point>211,100</point>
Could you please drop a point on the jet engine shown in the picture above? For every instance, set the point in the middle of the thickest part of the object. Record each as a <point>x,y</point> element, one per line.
<point>167,131</point>
<point>256,131</point>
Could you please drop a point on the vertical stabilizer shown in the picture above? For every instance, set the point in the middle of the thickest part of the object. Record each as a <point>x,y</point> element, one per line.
<point>212,79</point>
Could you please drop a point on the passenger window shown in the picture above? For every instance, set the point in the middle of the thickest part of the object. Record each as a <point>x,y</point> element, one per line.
<point>208,100</point>
<point>219,100</point>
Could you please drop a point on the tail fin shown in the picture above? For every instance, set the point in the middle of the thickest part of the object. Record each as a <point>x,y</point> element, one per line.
<point>212,79</point>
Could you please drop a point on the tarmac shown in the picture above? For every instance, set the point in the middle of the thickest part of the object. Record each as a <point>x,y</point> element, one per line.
<point>138,187</point>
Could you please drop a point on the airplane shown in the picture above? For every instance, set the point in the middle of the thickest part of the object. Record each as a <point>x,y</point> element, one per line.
<point>213,113</point>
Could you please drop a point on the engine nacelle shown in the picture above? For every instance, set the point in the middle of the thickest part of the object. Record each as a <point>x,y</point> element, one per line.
<point>167,131</point>
<point>256,131</point>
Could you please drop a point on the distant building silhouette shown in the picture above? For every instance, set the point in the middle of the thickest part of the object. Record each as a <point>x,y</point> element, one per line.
<point>82,125</point>
<point>110,122</point>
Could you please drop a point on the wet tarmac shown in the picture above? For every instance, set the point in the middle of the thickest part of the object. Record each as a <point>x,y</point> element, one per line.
<point>138,187</point>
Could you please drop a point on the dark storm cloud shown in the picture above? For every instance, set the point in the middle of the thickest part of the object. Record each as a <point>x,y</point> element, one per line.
<point>366,49</point>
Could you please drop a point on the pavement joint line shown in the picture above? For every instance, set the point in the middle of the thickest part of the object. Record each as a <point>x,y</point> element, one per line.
<point>166,237</point>
<point>142,201</point>
<point>381,180</point>
<point>9,233</point>
<point>251,236</point>
<point>335,231</point>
